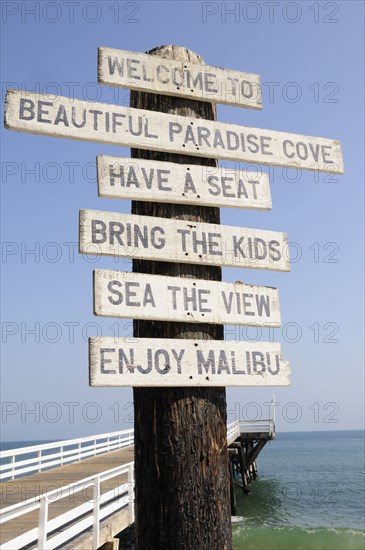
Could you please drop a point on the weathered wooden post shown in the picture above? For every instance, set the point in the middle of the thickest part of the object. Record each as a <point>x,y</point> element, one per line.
<point>181,460</point>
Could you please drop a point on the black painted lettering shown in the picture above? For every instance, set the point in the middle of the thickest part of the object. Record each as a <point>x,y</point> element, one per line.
<point>189,186</point>
<point>203,300</point>
<point>252,146</point>
<point>174,290</point>
<point>116,301</point>
<point>263,303</point>
<point>226,187</point>
<point>62,116</point>
<point>260,249</point>
<point>148,298</point>
<point>287,146</point>
<point>132,69</point>
<point>115,231</point>
<point>98,231</point>
<point>130,294</point>
<point>237,249</point>
<point>123,359</point>
<point>104,361</point>
<point>265,145</point>
<point>178,357</point>
<point>275,254</point>
<point>203,135</point>
<point>165,361</point>
<point>174,128</point>
<point>212,183</point>
<point>206,364</point>
<point>26,105</point>
<point>247,303</point>
<point>41,111</point>
<point>156,241</point>
<point>162,177</point>
<point>115,63</point>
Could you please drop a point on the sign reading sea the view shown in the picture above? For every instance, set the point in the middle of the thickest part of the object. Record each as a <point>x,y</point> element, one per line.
<point>159,75</point>
<point>104,123</point>
<point>162,298</point>
<point>166,362</point>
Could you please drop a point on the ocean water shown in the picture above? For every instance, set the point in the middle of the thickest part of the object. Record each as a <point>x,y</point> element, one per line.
<point>309,495</point>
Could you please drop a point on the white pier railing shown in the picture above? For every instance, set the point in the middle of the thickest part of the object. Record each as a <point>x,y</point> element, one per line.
<point>29,460</point>
<point>52,533</point>
<point>61,529</point>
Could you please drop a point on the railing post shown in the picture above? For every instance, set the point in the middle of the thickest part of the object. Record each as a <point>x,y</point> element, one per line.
<point>62,455</point>
<point>13,467</point>
<point>42,523</point>
<point>131,493</point>
<point>273,410</point>
<point>96,512</point>
<point>79,448</point>
<point>40,460</point>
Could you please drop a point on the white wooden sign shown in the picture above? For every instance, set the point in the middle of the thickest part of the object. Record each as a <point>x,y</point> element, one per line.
<point>103,123</point>
<point>154,181</point>
<point>145,296</point>
<point>166,362</point>
<point>159,75</point>
<point>181,241</point>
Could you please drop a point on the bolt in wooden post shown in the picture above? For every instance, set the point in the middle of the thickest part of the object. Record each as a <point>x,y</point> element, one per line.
<point>181,459</point>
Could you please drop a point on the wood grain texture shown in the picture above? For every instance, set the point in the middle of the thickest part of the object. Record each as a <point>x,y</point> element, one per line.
<point>155,131</point>
<point>162,298</point>
<point>142,180</point>
<point>155,362</point>
<point>181,459</point>
<point>161,239</point>
<point>143,72</point>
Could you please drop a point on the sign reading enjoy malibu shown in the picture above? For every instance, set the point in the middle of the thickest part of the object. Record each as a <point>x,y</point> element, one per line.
<point>166,362</point>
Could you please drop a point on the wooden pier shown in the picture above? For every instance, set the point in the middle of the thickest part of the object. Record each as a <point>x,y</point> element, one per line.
<point>243,452</point>
<point>79,493</point>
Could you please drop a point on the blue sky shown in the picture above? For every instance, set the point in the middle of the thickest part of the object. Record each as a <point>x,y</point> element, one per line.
<point>310,59</point>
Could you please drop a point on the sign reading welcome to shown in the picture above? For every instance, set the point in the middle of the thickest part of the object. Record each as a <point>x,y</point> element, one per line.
<point>160,75</point>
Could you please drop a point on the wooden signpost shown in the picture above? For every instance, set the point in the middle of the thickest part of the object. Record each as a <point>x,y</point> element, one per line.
<point>161,239</point>
<point>177,361</point>
<point>144,296</point>
<point>157,75</point>
<point>142,180</point>
<point>163,362</point>
<point>103,123</point>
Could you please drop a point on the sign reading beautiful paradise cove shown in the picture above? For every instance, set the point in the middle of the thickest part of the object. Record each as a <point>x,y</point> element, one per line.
<point>165,362</point>
<point>103,123</point>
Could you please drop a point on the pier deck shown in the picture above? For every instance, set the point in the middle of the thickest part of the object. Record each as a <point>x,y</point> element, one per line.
<point>79,494</point>
<point>24,488</point>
